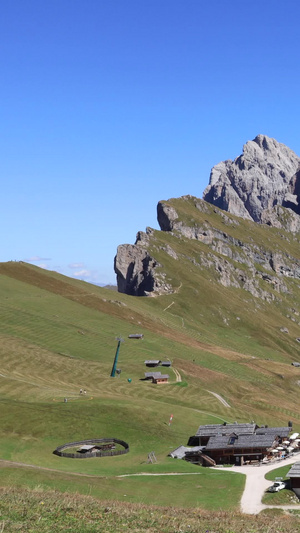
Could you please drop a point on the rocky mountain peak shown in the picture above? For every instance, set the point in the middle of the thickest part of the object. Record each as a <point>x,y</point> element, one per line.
<point>264,176</point>
<point>261,185</point>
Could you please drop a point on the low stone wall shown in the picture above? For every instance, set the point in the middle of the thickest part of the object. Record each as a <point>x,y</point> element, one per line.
<point>100,453</point>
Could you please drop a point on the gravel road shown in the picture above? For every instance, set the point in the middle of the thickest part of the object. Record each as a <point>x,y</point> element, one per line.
<point>256,485</point>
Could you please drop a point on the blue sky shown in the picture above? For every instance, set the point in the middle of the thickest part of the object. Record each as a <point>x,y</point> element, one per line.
<point>108,106</point>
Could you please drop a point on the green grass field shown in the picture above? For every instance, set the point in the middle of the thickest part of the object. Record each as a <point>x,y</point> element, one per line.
<point>59,335</point>
<point>40,511</point>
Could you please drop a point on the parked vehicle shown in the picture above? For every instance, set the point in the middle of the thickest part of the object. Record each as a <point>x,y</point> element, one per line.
<point>277,486</point>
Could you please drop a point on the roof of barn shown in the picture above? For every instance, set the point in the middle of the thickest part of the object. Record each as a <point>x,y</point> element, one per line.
<point>294,471</point>
<point>154,375</point>
<point>242,441</point>
<point>225,429</point>
<point>280,431</point>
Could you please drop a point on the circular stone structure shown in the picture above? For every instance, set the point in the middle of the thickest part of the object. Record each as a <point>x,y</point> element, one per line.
<point>100,446</point>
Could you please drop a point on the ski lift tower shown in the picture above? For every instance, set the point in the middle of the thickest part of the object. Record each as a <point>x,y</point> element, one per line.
<point>114,367</point>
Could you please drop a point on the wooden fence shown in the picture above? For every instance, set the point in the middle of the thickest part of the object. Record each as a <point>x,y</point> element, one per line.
<point>99,453</point>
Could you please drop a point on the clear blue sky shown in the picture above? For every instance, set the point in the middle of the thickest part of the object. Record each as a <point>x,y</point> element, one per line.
<point>108,106</point>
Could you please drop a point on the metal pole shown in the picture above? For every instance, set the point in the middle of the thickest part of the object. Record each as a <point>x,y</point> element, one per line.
<point>113,370</point>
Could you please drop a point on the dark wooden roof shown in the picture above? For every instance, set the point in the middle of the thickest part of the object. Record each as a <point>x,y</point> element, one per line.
<point>294,471</point>
<point>225,429</point>
<point>278,431</point>
<point>152,375</point>
<point>242,441</point>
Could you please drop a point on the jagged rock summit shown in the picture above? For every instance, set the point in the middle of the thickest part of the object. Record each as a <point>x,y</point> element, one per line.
<point>260,186</point>
<point>265,176</point>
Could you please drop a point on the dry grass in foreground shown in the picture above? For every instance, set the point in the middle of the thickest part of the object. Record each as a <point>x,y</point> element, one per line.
<point>45,512</point>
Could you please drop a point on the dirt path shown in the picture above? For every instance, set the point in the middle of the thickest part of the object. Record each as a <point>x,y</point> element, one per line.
<point>219,398</point>
<point>162,474</point>
<point>4,463</point>
<point>178,375</point>
<point>256,485</point>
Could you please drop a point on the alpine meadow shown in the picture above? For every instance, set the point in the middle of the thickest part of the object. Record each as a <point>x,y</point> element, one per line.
<point>215,295</point>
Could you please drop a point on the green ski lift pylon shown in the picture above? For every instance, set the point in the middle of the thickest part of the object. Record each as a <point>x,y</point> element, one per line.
<point>113,370</point>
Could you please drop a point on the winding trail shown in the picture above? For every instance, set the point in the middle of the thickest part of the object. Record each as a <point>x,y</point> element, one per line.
<point>4,463</point>
<point>219,398</point>
<point>178,375</point>
<point>256,485</point>
<point>161,474</point>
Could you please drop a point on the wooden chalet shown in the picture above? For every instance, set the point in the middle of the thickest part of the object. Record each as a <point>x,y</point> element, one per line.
<point>240,443</point>
<point>294,475</point>
<point>238,449</point>
<point>163,378</point>
<point>157,377</point>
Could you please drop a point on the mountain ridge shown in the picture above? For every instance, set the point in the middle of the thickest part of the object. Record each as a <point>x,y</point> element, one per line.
<point>140,272</point>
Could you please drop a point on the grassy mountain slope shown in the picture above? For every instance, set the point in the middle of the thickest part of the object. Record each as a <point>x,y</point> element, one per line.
<point>58,335</point>
<point>40,512</point>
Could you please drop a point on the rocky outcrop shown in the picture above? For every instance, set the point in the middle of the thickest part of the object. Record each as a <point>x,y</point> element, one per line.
<point>264,176</point>
<point>230,252</point>
<point>166,216</point>
<point>241,262</point>
<point>134,269</point>
<point>137,272</point>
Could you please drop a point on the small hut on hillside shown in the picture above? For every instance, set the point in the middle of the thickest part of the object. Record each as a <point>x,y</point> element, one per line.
<point>152,363</point>
<point>157,377</point>
<point>163,378</point>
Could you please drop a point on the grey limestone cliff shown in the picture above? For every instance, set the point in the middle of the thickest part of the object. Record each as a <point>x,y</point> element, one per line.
<point>265,176</point>
<point>137,272</point>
